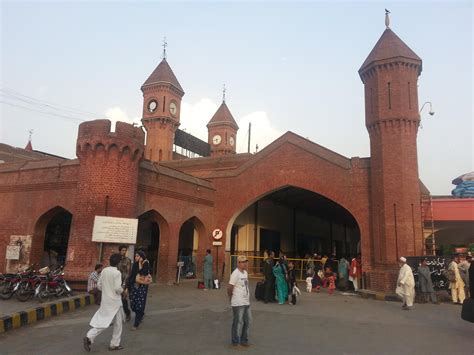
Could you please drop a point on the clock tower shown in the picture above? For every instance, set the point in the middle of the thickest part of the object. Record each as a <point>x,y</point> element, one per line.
<point>222,131</point>
<point>162,96</point>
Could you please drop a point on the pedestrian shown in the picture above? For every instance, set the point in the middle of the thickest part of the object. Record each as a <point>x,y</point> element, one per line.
<point>281,282</point>
<point>110,310</point>
<point>463,267</point>
<point>92,283</point>
<point>331,283</point>
<point>309,282</point>
<point>292,282</point>
<point>343,273</point>
<point>138,286</point>
<point>426,285</point>
<point>471,278</point>
<point>124,267</point>
<point>405,284</point>
<point>269,293</point>
<point>239,297</point>
<point>456,284</point>
<point>355,272</point>
<point>309,264</point>
<point>207,270</point>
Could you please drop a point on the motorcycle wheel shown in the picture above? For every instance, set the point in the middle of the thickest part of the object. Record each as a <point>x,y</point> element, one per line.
<point>43,296</point>
<point>24,293</point>
<point>6,291</point>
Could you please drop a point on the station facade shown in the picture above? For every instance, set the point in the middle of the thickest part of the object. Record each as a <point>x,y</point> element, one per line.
<point>294,195</point>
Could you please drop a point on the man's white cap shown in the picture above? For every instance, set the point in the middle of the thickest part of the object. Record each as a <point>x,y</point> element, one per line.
<point>403,259</point>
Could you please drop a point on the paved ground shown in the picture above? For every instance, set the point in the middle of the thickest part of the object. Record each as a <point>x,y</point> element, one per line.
<point>12,305</point>
<point>185,320</point>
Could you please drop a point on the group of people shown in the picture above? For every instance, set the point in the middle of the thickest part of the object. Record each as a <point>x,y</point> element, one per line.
<point>325,272</point>
<point>460,274</point>
<point>113,286</point>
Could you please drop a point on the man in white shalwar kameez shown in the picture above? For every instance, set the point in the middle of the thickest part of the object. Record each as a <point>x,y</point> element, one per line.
<point>405,284</point>
<point>110,283</point>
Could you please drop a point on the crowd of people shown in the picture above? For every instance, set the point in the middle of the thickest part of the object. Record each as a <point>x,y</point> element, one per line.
<point>113,287</point>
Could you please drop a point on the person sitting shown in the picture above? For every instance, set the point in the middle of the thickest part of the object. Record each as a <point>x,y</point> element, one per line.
<point>92,283</point>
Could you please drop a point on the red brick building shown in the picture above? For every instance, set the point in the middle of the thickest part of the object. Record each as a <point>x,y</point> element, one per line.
<point>294,195</point>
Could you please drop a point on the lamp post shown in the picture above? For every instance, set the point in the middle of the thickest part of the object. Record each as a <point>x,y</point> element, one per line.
<point>431,112</point>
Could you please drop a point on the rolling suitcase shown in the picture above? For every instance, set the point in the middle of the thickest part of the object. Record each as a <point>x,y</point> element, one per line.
<point>260,290</point>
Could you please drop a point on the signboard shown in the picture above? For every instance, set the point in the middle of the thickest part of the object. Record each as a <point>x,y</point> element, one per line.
<point>436,264</point>
<point>13,252</point>
<point>216,243</point>
<point>217,234</point>
<point>115,230</point>
<point>460,250</point>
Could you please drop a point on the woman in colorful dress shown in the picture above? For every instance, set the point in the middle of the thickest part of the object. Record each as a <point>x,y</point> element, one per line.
<point>138,291</point>
<point>281,282</point>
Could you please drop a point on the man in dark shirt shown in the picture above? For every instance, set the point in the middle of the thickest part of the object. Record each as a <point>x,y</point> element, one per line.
<point>124,267</point>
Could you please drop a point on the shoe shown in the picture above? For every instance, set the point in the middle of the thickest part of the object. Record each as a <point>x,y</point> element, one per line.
<point>115,348</point>
<point>87,344</point>
<point>134,328</point>
<point>128,317</point>
<point>246,345</point>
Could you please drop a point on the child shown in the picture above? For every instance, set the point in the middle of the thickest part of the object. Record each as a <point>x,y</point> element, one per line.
<point>309,283</point>
<point>295,292</point>
<point>332,284</point>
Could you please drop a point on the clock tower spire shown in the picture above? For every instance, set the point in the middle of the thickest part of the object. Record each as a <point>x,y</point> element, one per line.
<point>162,96</point>
<point>222,130</point>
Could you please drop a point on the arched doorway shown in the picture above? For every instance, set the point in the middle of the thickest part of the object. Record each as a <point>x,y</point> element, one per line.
<point>51,237</point>
<point>297,222</point>
<point>148,238</point>
<point>188,246</point>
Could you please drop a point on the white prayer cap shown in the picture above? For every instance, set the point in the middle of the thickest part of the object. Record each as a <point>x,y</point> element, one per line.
<point>402,259</point>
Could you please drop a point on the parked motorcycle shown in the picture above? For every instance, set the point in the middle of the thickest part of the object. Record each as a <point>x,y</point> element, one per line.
<point>9,283</point>
<point>52,283</point>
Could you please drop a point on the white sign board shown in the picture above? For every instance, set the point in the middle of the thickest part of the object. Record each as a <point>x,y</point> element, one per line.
<point>216,243</point>
<point>13,252</point>
<point>115,230</point>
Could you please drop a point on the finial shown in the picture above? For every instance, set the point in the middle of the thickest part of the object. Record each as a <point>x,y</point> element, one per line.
<point>387,19</point>
<point>223,93</point>
<point>164,47</point>
<point>30,131</point>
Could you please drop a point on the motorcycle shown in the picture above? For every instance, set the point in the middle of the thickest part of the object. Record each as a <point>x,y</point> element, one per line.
<point>52,284</point>
<point>26,287</point>
<point>9,283</point>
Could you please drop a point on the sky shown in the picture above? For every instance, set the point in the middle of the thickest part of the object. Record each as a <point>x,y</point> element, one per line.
<point>287,66</point>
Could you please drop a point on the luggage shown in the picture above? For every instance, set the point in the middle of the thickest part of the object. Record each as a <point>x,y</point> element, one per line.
<point>467,312</point>
<point>201,285</point>
<point>260,291</point>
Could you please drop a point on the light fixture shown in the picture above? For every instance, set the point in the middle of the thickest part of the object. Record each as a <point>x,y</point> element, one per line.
<point>431,112</point>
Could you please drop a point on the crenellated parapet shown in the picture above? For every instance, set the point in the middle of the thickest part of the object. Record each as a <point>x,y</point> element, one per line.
<point>96,137</point>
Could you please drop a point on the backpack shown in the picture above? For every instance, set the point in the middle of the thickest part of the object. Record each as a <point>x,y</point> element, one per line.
<point>450,275</point>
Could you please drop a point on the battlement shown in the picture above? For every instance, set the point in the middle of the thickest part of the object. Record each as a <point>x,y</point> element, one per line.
<point>96,136</point>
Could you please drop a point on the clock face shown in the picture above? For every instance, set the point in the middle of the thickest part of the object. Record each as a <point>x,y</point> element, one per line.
<point>231,141</point>
<point>152,106</point>
<point>216,139</point>
<point>173,109</point>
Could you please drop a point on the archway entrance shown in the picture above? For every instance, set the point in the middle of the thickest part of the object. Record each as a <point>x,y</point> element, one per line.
<point>188,246</point>
<point>52,237</point>
<point>148,238</point>
<point>296,222</point>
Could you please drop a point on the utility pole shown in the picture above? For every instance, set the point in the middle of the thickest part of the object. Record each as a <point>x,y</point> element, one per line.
<point>250,131</point>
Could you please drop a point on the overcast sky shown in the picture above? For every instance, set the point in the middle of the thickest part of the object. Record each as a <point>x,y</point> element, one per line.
<point>288,66</point>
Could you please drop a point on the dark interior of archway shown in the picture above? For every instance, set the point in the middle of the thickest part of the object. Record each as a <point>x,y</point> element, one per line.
<point>304,202</point>
<point>148,238</point>
<point>56,239</point>
<point>185,248</point>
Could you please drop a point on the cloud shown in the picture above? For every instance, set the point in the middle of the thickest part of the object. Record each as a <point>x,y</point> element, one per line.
<point>195,116</point>
<point>262,132</point>
<point>115,114</point>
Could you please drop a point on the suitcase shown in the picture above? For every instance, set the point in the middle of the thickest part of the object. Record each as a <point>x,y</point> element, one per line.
<point>260,291</point>
<point>467,312</point>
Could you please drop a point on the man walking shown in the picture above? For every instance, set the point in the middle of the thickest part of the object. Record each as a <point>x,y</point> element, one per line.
<point>456,283</point>
<point>239,297</point>
<point>110,310</point>
<point>426,285</point>
<point>124,267</point>
<point>405,284</point>
<point>92,283</point>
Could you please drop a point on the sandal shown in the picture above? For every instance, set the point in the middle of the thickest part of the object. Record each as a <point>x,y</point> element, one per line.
<point>114,348</point>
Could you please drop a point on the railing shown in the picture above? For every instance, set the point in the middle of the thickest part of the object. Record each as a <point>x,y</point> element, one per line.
<point>255,267</point>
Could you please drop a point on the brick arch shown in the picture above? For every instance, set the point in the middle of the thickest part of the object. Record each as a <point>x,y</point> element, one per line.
<point>258,195</point>
<point>164,228</point>
<point>41,224</point>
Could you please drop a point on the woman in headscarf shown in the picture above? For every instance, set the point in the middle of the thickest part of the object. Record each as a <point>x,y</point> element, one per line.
<point>138,291</point>
<point>281,282</point>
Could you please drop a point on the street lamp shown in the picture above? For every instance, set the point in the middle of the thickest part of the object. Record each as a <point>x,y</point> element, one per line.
<point>431,112</point>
